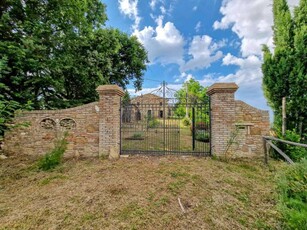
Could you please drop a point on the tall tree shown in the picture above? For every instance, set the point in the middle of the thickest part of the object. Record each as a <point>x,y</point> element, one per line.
<point>285,70</point>
<point>191,92</point>
<point>59,51</point>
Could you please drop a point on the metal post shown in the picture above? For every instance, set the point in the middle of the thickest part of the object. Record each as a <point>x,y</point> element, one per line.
<point>193,128</point>
<point>164,129</point>
<point>186,101</point>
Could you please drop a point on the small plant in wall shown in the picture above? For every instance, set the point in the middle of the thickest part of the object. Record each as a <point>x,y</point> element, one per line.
<point>55,156</point>
<point>231,141</point>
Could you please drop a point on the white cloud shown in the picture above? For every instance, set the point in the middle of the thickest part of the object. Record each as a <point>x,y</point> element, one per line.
<point>203,52</point>
<point>251,20</point>
<point>163,43</point>
<point>184,77</point>
<point>129,8</point>
<point>163,10</point>
<point>154,3</point>
<point>197,27</point>
<point>248,77</point>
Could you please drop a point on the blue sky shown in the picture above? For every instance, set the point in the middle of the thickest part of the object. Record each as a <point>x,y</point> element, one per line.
<point>208,40</point>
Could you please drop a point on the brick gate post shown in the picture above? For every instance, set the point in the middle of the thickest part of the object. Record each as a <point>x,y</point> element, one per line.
<point>109,120</point>
<point>223,112</point>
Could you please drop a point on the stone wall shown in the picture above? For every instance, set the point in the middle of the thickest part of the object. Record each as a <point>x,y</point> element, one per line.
<point>251,124</point>
<point>43,128</point>
<point>236,127</point>
<point>94,129</point>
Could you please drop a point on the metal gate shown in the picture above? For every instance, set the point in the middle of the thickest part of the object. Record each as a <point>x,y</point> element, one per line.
<point>164,126</point>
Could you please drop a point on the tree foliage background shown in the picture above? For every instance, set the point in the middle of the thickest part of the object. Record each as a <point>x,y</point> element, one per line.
<point>54,53</point>
<point>191,92</point>
<point>284,69</point>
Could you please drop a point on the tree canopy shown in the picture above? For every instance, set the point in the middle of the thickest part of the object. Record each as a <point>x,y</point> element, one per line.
<point>57,52</point>
<point>191,92</point>
<point>284,70</point>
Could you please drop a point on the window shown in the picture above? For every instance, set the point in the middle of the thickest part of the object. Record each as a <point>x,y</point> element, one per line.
<point>161,114</point>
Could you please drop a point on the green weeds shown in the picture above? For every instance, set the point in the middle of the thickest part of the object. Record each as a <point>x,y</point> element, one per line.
<point>54,158</point>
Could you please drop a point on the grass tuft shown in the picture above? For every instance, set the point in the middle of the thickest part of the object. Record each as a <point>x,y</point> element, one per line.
<point>54,158</point>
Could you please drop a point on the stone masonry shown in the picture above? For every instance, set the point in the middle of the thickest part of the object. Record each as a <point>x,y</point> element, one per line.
<point>236,127</point>
<point>46,126</point>
<point>94,129</point>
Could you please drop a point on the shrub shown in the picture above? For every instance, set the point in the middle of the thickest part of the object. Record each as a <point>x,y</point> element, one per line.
<point>296,153</point>
<point>202,136</point>
<point>292,190</point>
<point>153,123</point>
<point>54,158</point>
<point>186,121</point>
<point>137,136</point>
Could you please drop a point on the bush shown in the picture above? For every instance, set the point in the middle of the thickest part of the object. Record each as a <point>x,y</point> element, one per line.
<point>292,190</point>
<point>54,158</point>
<point>202,136</point>
<point>186,121</point>
<point>152,122</point>
<point>296,153</point>
<point>137,136</point>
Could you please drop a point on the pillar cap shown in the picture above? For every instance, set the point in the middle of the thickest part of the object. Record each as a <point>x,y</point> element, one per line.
<point>222,88</point>
<point>113,89</point>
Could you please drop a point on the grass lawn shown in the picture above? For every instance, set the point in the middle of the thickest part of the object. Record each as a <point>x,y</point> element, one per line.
<point>138,193</point>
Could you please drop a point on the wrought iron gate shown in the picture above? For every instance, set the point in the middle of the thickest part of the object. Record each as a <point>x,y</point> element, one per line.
<point>157,125</point>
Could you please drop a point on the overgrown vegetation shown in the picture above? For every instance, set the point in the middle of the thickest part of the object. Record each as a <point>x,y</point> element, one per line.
<point>292,189</point>
<point>152,122</point>
<point>202,135</point>
<point>54,158</point>
<point>296,153</point>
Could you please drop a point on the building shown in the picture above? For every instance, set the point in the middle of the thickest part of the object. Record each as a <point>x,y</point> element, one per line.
<point>145,106</point>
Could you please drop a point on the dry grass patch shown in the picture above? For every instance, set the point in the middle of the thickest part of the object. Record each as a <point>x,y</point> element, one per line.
<point>138,193</point>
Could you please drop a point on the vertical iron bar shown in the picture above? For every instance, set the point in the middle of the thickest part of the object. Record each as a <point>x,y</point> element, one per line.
<point>164,130</point>
<point>210,127</point>
<point>120,126</point>
<point>193,128</point>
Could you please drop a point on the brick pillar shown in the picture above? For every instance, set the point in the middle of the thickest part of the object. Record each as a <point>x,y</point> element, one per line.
<point>109,120</point>
<point>222,115</point>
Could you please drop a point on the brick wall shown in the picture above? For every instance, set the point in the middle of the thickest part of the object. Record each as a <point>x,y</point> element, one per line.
<point>251,124</point>
<point>93,129</point>
<point>44,127</point>
<point>235,122</point>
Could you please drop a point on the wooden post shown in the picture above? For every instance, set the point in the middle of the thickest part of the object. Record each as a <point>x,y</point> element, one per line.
<point>284,116</point>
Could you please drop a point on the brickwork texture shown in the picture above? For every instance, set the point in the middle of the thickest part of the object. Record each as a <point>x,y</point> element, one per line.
<point>94,129</point>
